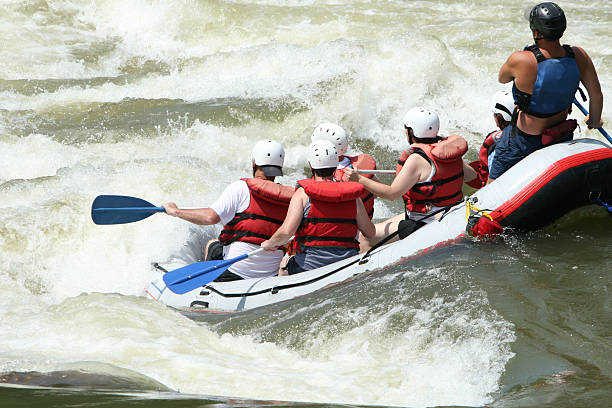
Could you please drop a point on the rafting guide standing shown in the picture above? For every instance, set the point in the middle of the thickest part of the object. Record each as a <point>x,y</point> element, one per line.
<point>545,78</point>
<point>250,210</point>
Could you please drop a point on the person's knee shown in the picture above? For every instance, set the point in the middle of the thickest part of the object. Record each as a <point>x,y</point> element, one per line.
<point>364,244</point>
<point>282,267</point>
<point>214,250</point>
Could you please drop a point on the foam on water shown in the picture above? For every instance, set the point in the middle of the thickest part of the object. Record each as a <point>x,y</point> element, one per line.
<point>423,364</point>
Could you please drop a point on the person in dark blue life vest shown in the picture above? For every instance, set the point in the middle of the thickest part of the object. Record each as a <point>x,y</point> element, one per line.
<point>503,106</point>
<point>429,176</point>
<point>545,78</point>
<point>337,135</point>
<point>250,210</point>
<point>324,215</point>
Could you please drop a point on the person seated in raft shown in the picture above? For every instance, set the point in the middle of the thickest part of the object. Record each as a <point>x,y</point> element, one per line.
<point>250,210</point>
<point>337,135</point>
<point>503,106</point>
<point>545,77</point>
<point>324,215</point>
<point>429,176</point>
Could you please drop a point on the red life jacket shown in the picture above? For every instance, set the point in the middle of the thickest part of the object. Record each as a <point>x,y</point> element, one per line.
<point>332,218</point>
<point>365,162</point>
<point>266,212</point>
<point>445,187</point>
<point>482,164</point>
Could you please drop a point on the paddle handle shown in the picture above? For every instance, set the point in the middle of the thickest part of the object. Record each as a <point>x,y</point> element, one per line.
<point>376,171</point>
<point>586,112</point>
<point>130,209</point>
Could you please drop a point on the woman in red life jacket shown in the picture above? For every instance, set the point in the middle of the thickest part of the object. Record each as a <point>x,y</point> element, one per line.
<point>429,176</point>
<point>324,215</point>
<point>503,106</point>
<point>337,135</point>
<point>251,210</point>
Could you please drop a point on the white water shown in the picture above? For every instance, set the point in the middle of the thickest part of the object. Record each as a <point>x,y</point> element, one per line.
<point>72,291</point>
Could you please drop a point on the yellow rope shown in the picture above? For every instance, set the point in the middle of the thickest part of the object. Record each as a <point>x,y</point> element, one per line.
<point>469,208</point>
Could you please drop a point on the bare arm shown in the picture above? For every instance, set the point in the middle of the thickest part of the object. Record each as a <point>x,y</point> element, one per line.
<point>506,72</point>
<point>199,216</point>
<point>292,221</point>
<point>522,68</point>
<point>363,221</point>
<point>415,169</point>
<point>588,77</point>
<point>469,173</point>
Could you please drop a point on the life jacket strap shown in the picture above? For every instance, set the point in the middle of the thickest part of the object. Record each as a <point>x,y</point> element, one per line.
<point>440,181</point>
<point>240,234</point>
<point>317,220</point>
<point>249,216</point>
<point>437,200</point>
<point>308,238</point>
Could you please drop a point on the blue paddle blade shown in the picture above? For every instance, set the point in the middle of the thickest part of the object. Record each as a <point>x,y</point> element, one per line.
<point>196,275</point>
<point>116,209</point>
<point>187,278</point>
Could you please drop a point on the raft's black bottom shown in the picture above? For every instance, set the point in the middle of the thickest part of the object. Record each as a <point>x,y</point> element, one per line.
<point>572,188</point>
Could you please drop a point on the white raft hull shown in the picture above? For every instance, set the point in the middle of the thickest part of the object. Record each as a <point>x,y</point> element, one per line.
<point>525,198</point>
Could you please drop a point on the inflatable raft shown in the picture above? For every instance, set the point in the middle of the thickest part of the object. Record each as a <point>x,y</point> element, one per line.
<point>538,190</point>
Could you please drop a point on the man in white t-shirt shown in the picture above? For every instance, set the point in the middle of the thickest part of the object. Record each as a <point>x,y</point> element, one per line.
<point>250,210</point>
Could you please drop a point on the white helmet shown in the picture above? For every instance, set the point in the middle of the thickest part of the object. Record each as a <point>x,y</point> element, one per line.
<point>322,154</point>
<point>333,133</point>
<point>269,156</point>
<point>425,124</point>
<point>503,103</point>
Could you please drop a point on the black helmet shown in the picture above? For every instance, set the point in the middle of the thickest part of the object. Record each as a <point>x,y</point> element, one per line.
<point>548,19</point>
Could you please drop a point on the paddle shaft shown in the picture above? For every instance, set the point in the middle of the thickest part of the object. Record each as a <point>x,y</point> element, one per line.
<point>131,209</point>
<point>586,112</point>
<point>376,171</point>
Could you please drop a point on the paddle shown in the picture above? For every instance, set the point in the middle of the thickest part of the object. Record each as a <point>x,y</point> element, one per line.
<point>586,112</point>
<point>116,209</point>
<point>376,171</point>
<point>187,278</point>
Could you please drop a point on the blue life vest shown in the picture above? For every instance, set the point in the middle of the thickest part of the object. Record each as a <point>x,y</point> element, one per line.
<point>555,85</point>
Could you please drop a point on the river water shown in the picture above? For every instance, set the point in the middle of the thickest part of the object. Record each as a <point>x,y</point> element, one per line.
<point>164,100</point>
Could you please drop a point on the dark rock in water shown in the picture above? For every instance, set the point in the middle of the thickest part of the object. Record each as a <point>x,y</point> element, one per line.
<point>83,379</point>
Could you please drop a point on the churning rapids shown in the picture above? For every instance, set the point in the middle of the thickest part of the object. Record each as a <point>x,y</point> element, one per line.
<point>164,100</point>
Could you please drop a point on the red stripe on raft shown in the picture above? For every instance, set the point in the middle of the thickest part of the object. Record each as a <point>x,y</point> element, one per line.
<point>152,297</point>
<point>544,178</point>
